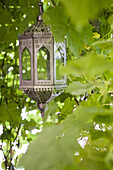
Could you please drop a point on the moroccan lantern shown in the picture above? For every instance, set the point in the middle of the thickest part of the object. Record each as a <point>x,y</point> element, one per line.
<point>40,61</point>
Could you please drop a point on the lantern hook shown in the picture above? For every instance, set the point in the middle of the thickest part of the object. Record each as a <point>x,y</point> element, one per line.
<point>39,18</point>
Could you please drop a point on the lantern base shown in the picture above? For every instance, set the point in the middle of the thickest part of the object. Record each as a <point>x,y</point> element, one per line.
<point>43,94</point>
<point>39,96</point>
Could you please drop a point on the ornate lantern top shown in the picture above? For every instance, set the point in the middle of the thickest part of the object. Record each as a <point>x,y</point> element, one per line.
<point>38,27</point>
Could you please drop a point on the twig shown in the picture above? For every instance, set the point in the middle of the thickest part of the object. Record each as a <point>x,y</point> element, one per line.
<point>76,100</point>
<point>52,3</point>
<point>17,133</point>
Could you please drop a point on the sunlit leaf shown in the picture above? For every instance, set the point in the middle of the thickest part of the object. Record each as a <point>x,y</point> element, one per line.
<point>77,88</point>
<point>90,66</point>
<point>104,44</point>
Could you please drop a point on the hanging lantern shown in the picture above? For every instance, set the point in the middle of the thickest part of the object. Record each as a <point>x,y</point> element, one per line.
<point>40,61</point>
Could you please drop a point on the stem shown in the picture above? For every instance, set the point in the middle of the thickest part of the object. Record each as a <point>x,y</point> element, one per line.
<point>17,133</point>
<point>52,4</point>
<point>76,100</point>
<point>10,155</point>
<point>5,161</point>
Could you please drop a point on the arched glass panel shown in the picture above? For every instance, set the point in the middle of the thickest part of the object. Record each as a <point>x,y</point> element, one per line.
<point>59,53</point>
<point>43,64</point>
<point>26,64</point>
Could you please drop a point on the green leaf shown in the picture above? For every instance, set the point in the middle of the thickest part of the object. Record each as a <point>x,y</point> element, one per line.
<point>109,158</point>
<point>5,68</point>
<point>110,20</point>
<point>57,18</point>
<point>56,145</point>
<point>5,15</point>
<point>7,135</point>
<point>80,13</point>
<point>48,151</point>
<point>105,100</point>
<point>51,110</point>
<point>77,88</point>
<point>67,108</point>
<point>29,125</point>
<point>106,119</point>
<point>104,44</point>
<point>96,134</point>
<point>93,100</point>
<point>72,38</point>
<point>90,114</point>
<point>62,26</point>
<point>90,66</point>
<point>3,164</point>
<point>10,112</point>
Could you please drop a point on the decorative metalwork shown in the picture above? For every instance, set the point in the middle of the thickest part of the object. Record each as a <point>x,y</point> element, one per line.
<point>39,27</point>
<point>41,57</point>
<point>39,96</point>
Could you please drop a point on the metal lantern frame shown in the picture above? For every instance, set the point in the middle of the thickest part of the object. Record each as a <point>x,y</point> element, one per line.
<point>33,39</point>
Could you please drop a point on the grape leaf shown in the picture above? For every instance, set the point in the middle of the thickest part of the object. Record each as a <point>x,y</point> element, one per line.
<point>62,26</point>
<point>88,66</point>
<point>109,158</point>
<point>10,112</point>
<point>55,147</point>
<point>91,114</point>
<point>67,108</point>
<point>96,134</point>
<point>81,12</point>
<point>104,44</point>
<point>93,100</point>
<point>77,88</point>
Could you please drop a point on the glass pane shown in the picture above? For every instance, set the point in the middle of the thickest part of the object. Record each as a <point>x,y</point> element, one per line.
<point>26,64</point>
<point>59,53</point>
<point>43,64</point>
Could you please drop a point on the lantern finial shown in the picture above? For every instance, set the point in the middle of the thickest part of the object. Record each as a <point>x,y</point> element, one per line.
<point>39,18</point>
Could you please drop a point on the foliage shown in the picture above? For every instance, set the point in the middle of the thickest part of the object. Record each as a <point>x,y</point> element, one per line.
<point>77,128</point>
